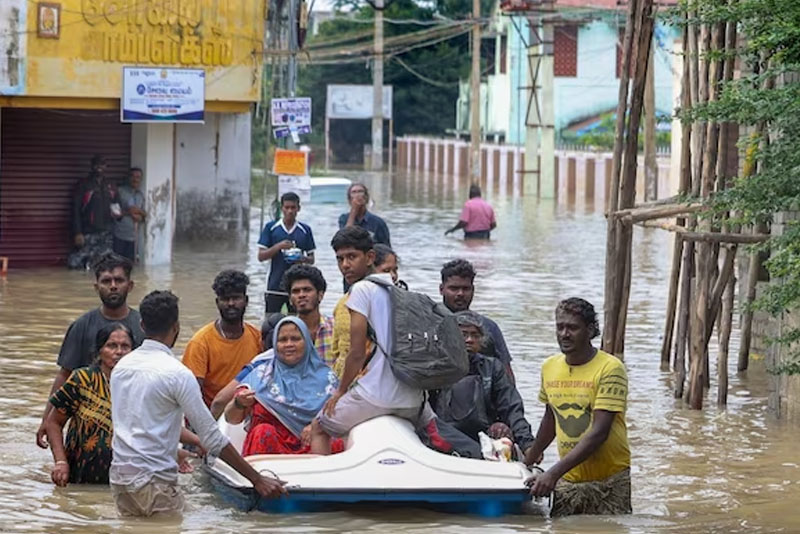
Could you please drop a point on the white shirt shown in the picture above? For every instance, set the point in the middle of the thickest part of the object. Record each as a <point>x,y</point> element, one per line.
<point>150,393</point>
<point>379,385</point>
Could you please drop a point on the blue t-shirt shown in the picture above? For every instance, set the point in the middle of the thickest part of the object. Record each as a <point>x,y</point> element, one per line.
<point>371,223</point>
<point>275,232</point>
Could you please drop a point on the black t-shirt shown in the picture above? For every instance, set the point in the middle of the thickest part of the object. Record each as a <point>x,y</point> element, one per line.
<point>78,348</point>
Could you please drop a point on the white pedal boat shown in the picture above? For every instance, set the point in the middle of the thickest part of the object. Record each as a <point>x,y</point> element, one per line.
<point>383,462</point>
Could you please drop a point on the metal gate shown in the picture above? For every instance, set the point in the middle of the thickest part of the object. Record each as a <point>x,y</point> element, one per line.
<point>43,154</point>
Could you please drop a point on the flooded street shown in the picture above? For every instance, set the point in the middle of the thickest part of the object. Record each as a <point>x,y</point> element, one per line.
<point>713,471</point>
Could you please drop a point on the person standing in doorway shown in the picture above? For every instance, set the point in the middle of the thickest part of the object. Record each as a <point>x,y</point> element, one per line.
<point>126,226</point>
<point>284,242</point>
<point>358,198</point>
<point>94,205</point>
<point>221,348</point>
<point>585,392</point>
<point>477,216</point>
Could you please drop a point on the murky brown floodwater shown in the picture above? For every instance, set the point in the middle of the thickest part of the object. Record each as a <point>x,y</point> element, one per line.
<point>715,471</point>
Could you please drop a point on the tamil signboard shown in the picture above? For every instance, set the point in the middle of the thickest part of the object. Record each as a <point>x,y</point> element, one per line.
<point>162,95</point>
<point>355,102</point>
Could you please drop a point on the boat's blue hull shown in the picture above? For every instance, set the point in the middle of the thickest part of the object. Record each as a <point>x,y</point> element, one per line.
<point>487,504</point>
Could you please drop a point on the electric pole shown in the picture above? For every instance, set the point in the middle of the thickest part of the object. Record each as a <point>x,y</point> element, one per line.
<point>475,98</point>
<point>377,90</point>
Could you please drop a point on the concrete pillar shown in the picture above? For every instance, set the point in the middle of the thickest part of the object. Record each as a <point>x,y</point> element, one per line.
<point>153,149</point>
<point>572,179</point>
<point>590,165</point>
<point>212,177</point>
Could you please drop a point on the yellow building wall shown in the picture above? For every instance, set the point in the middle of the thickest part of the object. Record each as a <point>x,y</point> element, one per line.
<point>98,37</point>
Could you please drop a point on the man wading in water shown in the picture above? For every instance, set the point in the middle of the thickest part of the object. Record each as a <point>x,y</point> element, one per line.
<point>112,283</point>
<point>585,393</point>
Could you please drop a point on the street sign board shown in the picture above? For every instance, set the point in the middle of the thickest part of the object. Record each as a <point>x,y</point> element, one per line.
<point>355,102</point>
<point>291,112</point>
<point>162,95</point>
<point>290,162</point>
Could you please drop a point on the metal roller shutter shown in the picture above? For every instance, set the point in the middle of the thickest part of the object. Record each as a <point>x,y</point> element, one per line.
<point>43,154</point>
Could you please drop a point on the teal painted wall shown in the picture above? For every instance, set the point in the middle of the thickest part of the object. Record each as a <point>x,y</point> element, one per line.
<point>595,89</point>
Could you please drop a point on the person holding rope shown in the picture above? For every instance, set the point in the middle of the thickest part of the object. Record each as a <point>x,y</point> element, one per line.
<point>585,394</point>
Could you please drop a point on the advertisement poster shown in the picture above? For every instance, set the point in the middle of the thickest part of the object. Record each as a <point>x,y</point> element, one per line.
<point>355,102</point>
<point>162,95</point>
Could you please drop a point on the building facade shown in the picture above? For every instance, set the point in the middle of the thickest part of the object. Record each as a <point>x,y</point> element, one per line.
<point>586,61</point>
<point>60,89</point>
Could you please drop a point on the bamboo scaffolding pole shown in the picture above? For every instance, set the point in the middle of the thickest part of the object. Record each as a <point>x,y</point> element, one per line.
<point>682,332</point>
<point>726,326</point>
<point>636,215</point>
<point>672,298</point>
<point>708,237</point>
<point>618,273</point>
<point>676,282</point>
<point>610,307</point>
<point>747,312</point>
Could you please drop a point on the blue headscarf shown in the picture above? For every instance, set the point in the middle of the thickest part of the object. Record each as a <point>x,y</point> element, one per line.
<point>294,394</point>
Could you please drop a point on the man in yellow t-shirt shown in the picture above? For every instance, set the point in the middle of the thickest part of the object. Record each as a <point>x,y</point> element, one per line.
<point>585,395</point>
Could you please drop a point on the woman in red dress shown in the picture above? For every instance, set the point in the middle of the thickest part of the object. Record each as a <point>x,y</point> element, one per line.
<point>281,395</point>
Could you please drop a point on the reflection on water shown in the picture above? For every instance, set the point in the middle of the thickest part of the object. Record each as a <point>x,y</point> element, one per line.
<point>715,471</point>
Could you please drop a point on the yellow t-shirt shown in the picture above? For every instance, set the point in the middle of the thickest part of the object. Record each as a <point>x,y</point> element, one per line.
<point>340,344</point>
<point>573,392</point>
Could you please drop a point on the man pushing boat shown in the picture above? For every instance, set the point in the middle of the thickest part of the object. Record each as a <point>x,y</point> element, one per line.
<point>585,394</point>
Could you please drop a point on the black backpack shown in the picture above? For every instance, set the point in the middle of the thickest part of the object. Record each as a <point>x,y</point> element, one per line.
<point>428,350</point>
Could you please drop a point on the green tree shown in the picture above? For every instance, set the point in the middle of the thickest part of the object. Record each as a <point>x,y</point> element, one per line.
<point>768,100</point>
<point>426,107</point>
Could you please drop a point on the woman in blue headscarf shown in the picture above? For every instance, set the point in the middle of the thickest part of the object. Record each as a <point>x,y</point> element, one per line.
<point>282,394</point>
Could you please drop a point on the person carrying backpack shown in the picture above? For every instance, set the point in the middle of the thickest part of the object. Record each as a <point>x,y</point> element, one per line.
<point>377,388</point>
<point>485,400</point>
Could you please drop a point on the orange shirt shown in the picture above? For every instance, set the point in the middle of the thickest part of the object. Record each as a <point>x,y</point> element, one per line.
<point>217,360</point>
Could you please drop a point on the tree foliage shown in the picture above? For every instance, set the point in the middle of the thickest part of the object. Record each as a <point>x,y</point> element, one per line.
<point>418,106</point>
<point>765,98</point>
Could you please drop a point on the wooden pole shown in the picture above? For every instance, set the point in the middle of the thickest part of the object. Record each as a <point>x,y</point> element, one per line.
<point>672,301</point>
<point>620,273</point>
<point>611,307</point>
<point>650,163</point>
<point>747,312</point>
<point>724,342</point>
<point>681,276</point>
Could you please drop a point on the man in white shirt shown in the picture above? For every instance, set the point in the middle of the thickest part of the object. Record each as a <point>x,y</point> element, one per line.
<point>377,391</point>
<point>150,395</point>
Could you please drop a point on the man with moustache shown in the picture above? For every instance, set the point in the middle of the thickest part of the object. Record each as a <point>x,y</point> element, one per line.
<point>112,283</point>
<point>306,287</point>
<point>221,348</point>
<point>457,290</point>
<point>585,394</point>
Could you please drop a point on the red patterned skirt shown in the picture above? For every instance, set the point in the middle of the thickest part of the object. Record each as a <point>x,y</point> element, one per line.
<point>268,435</point>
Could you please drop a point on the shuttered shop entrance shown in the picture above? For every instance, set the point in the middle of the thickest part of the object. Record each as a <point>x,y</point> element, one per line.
<point>43,154</point>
